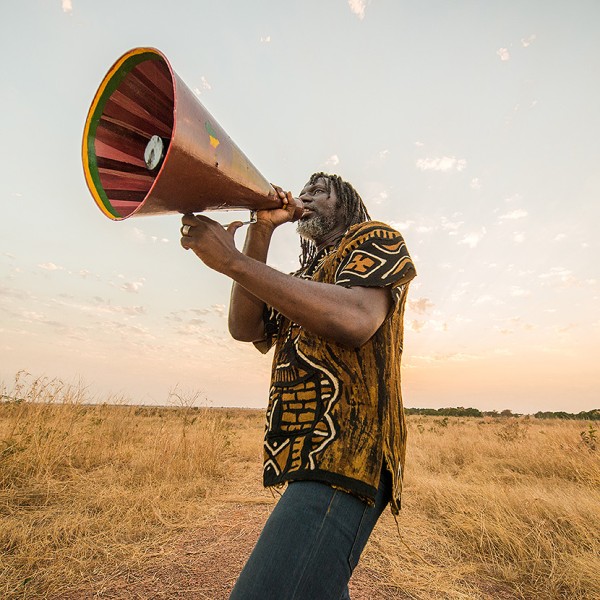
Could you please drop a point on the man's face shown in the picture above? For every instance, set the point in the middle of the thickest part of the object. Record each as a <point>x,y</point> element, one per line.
<point>321,212</point>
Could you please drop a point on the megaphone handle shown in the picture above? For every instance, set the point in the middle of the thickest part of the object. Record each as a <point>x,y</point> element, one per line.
<point>252,220</point>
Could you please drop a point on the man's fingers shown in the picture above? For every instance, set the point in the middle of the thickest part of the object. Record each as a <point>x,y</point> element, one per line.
<point>189,219</point>
<point>233,227</point>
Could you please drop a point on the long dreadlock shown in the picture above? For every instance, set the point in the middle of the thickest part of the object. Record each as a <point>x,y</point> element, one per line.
<point>348,201</point>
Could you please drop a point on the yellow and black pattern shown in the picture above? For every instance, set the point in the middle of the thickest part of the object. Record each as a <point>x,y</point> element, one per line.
<point>374,258</point>
<point>299,418</point>
<point>335,413</point>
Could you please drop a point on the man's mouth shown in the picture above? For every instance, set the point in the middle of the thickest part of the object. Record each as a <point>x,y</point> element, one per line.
<point>306,214</point>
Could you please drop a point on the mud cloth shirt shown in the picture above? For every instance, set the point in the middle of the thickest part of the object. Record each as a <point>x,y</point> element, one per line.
<point>335,413</point>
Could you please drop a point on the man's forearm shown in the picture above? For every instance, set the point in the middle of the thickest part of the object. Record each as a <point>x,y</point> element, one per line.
<point>348,316</point>
<point>245,309</point>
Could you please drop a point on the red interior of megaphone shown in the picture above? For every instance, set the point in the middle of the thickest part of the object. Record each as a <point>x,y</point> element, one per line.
<point>135,103</point>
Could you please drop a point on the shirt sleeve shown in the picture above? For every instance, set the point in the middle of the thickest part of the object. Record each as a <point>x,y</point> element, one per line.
<point>271,320</point>
<point>375,255</point>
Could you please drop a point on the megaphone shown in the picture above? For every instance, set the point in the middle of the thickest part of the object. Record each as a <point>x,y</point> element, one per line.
<point>150,147</point>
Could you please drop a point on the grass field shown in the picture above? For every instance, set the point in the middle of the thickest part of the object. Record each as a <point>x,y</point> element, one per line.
<point>492,508</point>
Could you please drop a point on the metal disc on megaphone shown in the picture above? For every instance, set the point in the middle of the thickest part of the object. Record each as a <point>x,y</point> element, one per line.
<point>150,147</point>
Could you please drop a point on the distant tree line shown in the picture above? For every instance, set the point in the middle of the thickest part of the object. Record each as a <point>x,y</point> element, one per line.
<point>445,412</point>
<point>590,415</point>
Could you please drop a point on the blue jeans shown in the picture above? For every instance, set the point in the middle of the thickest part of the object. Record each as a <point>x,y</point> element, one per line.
<point>310,544</point>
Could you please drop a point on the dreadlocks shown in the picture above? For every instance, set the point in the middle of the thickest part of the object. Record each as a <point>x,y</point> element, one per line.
<point>348,201</point>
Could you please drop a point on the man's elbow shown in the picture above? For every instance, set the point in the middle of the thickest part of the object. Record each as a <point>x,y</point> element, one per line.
<point>243,333</point>
<point>356,334</point>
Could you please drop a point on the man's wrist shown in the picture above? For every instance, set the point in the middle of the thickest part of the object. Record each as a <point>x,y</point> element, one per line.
<point>238,265</point>
<point>262,228</point>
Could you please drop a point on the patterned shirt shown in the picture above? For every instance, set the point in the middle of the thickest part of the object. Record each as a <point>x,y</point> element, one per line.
<point>335,413</point>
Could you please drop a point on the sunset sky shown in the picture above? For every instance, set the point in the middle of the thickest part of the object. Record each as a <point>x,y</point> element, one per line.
<point>473,127</point>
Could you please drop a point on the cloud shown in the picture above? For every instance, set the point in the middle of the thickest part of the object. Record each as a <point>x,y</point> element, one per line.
<point>513,198</point>
<point>450,226</point>
<point>67,6</point>
<point>420,305</point>
<point>265,39</point>
<point>140,236</point>
<point>215,309</point>
<point>503,53</point>
<point>127,330</point>
<point>106,306</point>
<point>380,198</point>
<point>518,292</point>
<point>559,276</point>
<point>358,7</point>
<point>133,287</point>
<point>332,161</point>
<point>436,325</point>
<point>6,292</point>
<point>475,183</point>
<point>192,314</point>
<point>513,324</point>
<point>98,306</point>
<point>472,239</point>
<point>50,266</point>
<point>402,225</point>
<point>30,316</point>
<point>457,294</point>
<point>528,40</point>
<point>443,163</point>
<point>203,87</point>
<point>417,326</point>
<point>483,299</point>
<point>519,213</point>
<point>518,237</point>
<point>384,154</point>
<point>560,237</point>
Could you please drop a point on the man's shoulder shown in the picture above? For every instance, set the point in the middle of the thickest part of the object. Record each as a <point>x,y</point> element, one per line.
<point>369,230</point>
<point>373,254</point>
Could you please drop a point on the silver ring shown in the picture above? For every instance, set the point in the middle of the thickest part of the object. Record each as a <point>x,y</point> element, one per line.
<point>185,230</point>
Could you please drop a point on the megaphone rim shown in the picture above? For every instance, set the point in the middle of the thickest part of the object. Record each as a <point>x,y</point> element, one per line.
<point>89,152</point>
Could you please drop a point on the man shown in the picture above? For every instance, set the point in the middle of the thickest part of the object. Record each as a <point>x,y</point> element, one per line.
<point>335,428</point>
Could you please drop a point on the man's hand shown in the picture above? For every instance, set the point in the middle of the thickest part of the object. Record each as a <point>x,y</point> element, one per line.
<point>277,216</point>
<point>213,244</point>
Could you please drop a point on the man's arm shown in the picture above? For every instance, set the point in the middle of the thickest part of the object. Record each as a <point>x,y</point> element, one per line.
<point>349,316</point>
<point>245,309</point>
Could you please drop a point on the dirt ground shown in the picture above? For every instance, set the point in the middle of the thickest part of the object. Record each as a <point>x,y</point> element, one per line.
<point>202,564</point>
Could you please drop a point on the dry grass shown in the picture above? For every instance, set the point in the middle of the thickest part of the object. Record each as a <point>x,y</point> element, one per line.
<point>498,508</point>
<point>85,488</point>
<point>493,508</point>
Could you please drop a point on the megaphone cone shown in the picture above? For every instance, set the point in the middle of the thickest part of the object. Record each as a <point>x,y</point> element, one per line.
<point>150,147</point>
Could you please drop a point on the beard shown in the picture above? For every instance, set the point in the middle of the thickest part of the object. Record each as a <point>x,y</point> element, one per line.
<point>316,226</point>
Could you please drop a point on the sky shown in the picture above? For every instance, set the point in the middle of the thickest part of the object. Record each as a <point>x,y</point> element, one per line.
<point>472,126</point>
